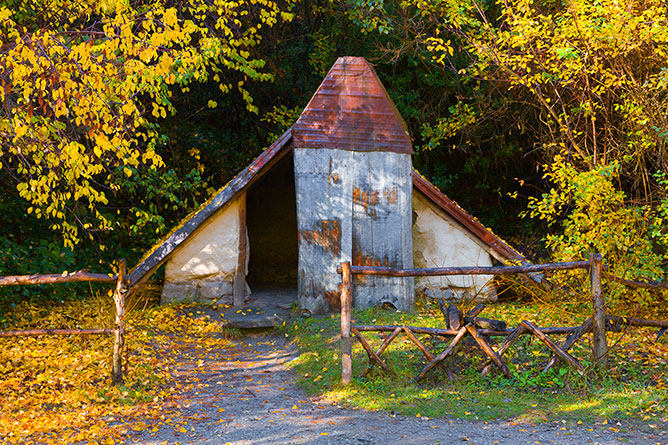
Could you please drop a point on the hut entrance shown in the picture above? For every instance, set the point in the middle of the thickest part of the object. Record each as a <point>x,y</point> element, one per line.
<point>271,221</point>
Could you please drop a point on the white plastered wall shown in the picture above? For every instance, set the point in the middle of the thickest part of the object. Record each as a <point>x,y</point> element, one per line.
<point>202,269</point>
<point>440,241</point>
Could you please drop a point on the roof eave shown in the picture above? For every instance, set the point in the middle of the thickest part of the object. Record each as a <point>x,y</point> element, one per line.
<point>241,182</point>
<point>470,223</point>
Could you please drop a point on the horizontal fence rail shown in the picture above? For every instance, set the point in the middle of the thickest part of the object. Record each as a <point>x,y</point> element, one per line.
<point>77,277</point>
<point>640,284</point>
<point>80,276</point>
<point>594,265</point>
<point>450,332</point>
<point>37,332</point>
<point>438,271</point>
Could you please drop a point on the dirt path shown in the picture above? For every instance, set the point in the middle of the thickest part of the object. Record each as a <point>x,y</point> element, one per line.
<point>251,398</point>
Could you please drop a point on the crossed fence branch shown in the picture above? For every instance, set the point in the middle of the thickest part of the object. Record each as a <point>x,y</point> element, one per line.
<point>597,324</point>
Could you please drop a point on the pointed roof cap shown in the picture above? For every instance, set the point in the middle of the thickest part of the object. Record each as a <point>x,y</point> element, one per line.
<point>351,110</point>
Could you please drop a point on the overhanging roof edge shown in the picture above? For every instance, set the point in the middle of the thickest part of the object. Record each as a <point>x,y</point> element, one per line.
<point>161,252</point>
<point>466,219</point>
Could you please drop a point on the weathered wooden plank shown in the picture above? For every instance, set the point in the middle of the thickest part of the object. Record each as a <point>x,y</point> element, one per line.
<point>451,332</point>
<point>507,343</point>
<point>572,338</point>
<point>373,357</point>
<point>346,309</point>
<point>476,310</point>
<point>81,276</point>
<point>486,323</point>
<point>599,339</point>
<point>487,349</point>
<point>119,321</point>
<point>440,357</point>
<point>381,226</point>
<point>383,346</point>
<point>324,224</point>
<point>552,345</point>
<point>239,289</point>
<point>638,322</point>
<point>243,180</point>
<point>640,284</point>
<point>454,320</point>
<point>38,332</point>
<point>418,343</point>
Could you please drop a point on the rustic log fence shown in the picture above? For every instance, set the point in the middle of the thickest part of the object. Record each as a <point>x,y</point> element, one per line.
<point>120,293</point>
<point>481,329</point>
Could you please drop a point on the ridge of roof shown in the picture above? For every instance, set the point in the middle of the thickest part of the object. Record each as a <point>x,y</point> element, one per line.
<point>467,220</point>
<point>352,110</point>
<point>164,248</point>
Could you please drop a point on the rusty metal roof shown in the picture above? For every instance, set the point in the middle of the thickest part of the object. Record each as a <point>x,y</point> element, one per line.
<point>351,110</point>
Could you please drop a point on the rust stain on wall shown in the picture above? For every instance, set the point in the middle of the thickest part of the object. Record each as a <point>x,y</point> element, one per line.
<point>368,199</point>
<point>390,195</point>
<point>317,291</point>
<point>367,260</point>
<point>365,198</point>
<point>333,299</point>
<point>327,235</point>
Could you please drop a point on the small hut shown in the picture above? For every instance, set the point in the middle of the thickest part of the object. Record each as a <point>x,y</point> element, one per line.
<point>337,186</point>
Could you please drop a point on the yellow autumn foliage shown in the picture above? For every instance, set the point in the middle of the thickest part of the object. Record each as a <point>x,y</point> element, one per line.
<point>83,83</point>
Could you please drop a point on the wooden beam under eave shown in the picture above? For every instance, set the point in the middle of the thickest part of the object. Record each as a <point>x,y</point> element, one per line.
<point>239,290</point>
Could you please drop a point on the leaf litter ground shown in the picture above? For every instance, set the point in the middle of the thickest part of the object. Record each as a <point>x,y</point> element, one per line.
<point>189,382</point>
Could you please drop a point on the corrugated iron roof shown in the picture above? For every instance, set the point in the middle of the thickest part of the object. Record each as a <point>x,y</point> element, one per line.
<point>351,110</point>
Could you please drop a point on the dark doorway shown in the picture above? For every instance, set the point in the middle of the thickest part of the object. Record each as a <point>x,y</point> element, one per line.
<point>271,220</point>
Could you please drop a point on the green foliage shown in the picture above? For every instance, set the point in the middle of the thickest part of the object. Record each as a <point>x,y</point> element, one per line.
<point>595,216</point>
<point>630,390</point>
<point>281,118</point>
<point>461,115</point>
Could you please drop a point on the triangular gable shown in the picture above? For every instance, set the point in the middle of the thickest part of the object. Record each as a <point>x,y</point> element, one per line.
<point>499,249</point>
<point>241,182</point>
<point>351,110</point>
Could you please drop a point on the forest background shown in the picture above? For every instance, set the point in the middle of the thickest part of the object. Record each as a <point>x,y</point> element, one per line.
<point>545,119</point>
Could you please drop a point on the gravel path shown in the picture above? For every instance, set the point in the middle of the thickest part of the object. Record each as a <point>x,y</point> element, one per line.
<point>249,397</point>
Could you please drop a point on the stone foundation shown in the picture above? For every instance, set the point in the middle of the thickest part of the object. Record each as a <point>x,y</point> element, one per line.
<point>204,291</point>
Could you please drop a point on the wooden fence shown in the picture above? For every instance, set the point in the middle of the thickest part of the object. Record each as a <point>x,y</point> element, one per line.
<point>81,276</point>
<point>597,324</point>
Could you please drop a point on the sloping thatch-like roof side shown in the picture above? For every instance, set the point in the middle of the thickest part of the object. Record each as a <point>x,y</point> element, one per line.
<point>499,248</point>
<point>160,253</point>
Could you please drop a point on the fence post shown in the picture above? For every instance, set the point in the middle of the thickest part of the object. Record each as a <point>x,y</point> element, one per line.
<point>119,331</point>
<point>598,323</point>
<point>346,307</point>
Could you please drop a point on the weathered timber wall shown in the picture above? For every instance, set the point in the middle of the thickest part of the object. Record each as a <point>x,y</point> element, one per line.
<point>439,241</point>
<point>203,268</point>
<point>324,225</point>
<point>382,204</point>
<point>352,206</point>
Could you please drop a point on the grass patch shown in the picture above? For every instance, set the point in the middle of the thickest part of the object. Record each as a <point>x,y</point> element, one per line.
<point>633,389</point>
